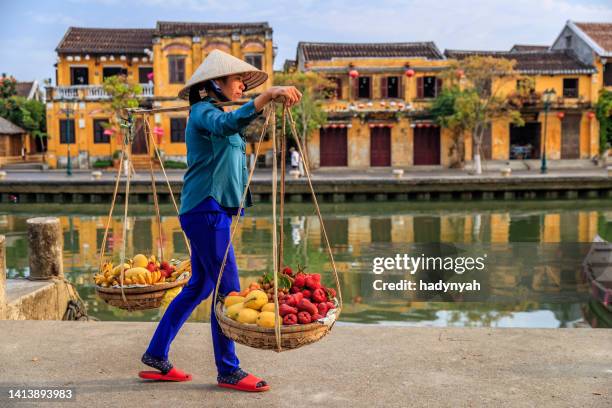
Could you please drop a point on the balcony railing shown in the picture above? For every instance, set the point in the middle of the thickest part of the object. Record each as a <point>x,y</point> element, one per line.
<point>89,92</point>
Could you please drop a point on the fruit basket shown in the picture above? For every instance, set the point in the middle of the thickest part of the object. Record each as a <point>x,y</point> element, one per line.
<point>282,311</point>
<point>307,308</point>
<point>139,283</point>
<point>143,286</point>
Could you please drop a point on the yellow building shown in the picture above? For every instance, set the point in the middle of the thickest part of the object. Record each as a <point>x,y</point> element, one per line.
<point>571,129</point>
<point>160,59</point>
<point>380,118</point>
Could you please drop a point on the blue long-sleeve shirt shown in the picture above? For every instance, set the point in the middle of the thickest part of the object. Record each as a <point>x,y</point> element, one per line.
<point>216,156</point>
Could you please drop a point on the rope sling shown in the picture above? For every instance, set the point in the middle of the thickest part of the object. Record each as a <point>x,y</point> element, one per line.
<point>282,337</point>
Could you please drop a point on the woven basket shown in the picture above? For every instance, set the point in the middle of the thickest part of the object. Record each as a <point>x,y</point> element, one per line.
<point>138,298</point>
<point>292,337</point>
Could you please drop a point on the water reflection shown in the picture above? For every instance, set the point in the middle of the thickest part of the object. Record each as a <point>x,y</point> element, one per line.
<point>545,297</point>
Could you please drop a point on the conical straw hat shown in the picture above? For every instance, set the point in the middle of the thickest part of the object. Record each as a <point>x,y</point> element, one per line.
<point>219,64</point>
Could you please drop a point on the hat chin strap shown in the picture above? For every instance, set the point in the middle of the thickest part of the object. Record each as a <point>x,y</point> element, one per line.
<point>218,91</point>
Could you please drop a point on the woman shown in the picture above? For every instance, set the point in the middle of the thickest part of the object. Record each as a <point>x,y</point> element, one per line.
<point>212,190</point>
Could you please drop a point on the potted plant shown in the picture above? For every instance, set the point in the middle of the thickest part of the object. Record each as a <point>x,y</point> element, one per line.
<point>116,157</point>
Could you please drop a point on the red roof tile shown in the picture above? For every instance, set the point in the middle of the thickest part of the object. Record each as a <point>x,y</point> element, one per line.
<point>177,28</point>
<point>106,40</point>
<point>326,51</point>
<point>601,33</point>
<point>532,62</point>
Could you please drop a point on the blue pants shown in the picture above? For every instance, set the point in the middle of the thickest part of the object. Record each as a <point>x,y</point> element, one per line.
<point>208,233</point>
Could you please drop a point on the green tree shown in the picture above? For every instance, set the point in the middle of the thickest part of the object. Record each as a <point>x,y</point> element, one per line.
<point>8,86</point>
<point>29,115</point>
<point>123,94</point>
<point>474,99</point>
<point>309,113</point>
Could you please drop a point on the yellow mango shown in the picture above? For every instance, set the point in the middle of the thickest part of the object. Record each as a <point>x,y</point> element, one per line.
<point>117,269</point>
<point>232,311</point>
<point>265,319</point>
<point>140,261</point>
<point>256,299</point>
<point>247,315</point>
<point>268,307</point>
<point>232,300</point>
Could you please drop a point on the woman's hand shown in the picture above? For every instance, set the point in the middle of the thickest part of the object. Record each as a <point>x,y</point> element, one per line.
<point>288,95</point>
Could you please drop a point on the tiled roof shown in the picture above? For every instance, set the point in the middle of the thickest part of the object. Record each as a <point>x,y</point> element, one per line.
<point>534,62</point>
<point>106,40</point>
<point>529,47</point>
<point>326,51</point>
<point>24,88</point>
<point>176,28</point>
<point>9,128</point>
<point>601,33</point>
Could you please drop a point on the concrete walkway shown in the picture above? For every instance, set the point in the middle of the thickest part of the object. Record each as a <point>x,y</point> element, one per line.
<point>324,175</point>
<point>355,366</point>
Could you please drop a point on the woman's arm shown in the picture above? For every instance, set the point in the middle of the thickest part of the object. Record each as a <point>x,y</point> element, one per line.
<point>209,117</point>
<point>289,95</point>
<point>224,124</point>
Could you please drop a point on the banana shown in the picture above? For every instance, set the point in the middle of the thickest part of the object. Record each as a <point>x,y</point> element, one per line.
<point>141,278</point>
<point>148,278</point>
<point>128,281</point>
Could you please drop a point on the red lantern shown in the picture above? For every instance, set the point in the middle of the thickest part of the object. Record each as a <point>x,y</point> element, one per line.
<point>560,115</point>
<point>372,125</point>
<point>591,115</point>
<point>427,125</point>
<point>334,126</point>
<point>419,125</point>
<point>353,73</point>
<point>158,132</point>
<point>409,72</point>
<point>459,73</point>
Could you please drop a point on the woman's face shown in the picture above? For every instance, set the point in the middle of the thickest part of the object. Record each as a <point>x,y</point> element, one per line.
<point>232,87</point>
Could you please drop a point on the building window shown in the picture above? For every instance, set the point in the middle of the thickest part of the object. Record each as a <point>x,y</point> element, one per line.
<point>428,86</point>
<point>79,76</point>
<point>568,41</point>
<point>364,87</point>
<point>177,130</point>
<point>108,72</point>
<point>176,68</point>
<point>67,131</point>
<point>608,74</point>
<point>255,60</point>
<point>98,128</point>
<point>143,74</point>
<point>390,87</point>
<point>570,87</point>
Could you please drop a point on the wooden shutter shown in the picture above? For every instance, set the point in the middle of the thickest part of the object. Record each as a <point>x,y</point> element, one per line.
<point>355,87</point>
<point>438,86</point>
<point>383,87</point>
<point>420,87</point>
<point>400,87</point>
<point>370,83</point>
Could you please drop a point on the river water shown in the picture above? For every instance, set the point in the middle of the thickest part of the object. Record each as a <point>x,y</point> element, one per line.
<point>513,293</point>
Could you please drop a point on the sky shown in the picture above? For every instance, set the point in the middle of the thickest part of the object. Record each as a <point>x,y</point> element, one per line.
<point>30,30</point>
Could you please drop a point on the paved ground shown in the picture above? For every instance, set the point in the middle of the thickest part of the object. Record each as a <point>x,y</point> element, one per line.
<point>355,366</point>
<point>339,175</point>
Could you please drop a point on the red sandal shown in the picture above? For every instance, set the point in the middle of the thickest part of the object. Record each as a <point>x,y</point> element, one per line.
<point>173,375</point>
<point>248,384</point>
